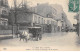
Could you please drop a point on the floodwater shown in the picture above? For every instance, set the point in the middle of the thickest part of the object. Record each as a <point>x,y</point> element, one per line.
<point>60,41</point>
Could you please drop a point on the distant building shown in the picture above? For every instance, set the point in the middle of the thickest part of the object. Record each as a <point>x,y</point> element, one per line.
<point>77,26</point>
<point>54,11</point>
<point>77,17</point>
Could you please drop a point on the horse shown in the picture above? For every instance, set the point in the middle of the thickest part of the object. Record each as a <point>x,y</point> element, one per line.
<point>21,36</point>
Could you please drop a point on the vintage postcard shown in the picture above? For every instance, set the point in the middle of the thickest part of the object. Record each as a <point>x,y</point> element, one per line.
<point>39,25</point>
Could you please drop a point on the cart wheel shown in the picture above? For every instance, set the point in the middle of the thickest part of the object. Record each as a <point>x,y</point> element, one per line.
<point>40,37</point>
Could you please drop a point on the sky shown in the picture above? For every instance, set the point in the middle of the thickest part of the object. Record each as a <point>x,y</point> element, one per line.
<point>63,3</point>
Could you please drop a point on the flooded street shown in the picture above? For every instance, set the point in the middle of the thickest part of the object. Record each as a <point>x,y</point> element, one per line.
<point>23,22</point>
<point>60,41</point>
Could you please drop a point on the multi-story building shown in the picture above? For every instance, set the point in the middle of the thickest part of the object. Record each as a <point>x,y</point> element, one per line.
<point>4,12</point>
<point>33,19</point>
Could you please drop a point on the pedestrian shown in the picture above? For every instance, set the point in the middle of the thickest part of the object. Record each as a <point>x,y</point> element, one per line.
<point>66,28</point>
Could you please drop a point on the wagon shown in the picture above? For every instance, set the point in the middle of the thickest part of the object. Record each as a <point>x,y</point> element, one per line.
<point>36,32</point>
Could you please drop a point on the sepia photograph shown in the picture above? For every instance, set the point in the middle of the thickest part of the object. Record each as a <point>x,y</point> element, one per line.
<point>39,25</point>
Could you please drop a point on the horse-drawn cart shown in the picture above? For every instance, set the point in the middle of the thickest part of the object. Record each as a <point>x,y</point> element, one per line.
<point>36,32</point>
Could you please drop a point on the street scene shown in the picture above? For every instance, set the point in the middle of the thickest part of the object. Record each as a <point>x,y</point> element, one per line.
<point>58,42</point>
<point>40,25</point>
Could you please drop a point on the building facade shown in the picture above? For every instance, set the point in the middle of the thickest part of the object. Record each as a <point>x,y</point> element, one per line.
<point>77,25</point>
<point>34,19</point>
<point>77,17</point>
<point>4,12</point>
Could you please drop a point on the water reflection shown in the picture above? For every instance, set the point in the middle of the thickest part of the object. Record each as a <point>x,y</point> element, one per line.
<point>69,38</point>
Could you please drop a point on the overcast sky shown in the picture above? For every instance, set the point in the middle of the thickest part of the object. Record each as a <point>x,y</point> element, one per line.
<point>63,3</point>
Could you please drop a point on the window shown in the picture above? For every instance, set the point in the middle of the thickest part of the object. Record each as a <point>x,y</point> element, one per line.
<point>39,19</point>
<point>35,19</point>
<point>4,12</point>
<point>47,21</point>
<point>44,21</point>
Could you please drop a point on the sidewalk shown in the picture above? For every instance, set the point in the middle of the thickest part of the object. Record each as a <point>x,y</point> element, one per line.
<point>3,37</point>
